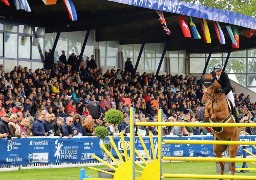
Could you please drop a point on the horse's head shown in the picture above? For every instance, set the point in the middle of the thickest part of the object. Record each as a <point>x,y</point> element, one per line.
<point>208,87</point>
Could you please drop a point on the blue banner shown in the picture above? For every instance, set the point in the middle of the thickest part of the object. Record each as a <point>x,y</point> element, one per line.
<point>194,10</point>
<point>27,151</point>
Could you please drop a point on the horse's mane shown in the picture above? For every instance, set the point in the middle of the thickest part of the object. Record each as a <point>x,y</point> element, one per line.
<point>208,76</point>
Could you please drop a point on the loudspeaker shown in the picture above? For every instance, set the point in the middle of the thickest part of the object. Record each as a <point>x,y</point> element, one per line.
<point>94,109</point>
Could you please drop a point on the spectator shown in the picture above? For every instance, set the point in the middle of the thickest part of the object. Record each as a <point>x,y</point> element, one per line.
<point>63,58</point>
<point>128,67</point>
<point>48,124</point>
<point>4,129</point>
<point>38,127</point>
<point>57,127</point>
<point>67,127</point>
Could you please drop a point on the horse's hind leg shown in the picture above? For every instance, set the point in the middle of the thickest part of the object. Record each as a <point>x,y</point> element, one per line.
<point>232,152</point>
<point>219,149</point>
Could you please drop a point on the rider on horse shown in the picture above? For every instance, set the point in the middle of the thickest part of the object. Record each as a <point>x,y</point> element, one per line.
<point>226,88</point>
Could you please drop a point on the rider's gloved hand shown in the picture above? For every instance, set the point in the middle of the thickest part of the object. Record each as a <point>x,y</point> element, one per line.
<point>218,90</point>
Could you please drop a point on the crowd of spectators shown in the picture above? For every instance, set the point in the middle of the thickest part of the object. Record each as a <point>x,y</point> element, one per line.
<point>54,101</point>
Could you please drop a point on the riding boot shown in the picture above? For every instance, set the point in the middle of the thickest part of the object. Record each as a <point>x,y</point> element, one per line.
<point>235,114</point>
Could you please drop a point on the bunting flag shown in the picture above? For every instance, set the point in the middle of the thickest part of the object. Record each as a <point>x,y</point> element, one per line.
<point>163,22</point>
<point>231,35</point>
<point>49,2</point>
<point>184,27</point>
<point>248,33</point>
<point>219,33</point>
<point>206,32</point>
<point>237,38</point>
<point>71,10</point>
<point>6,2</point>
<point>195,33</point>
<point>22,4</point>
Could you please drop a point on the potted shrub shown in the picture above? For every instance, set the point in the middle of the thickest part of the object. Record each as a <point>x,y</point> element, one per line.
<point>114,117</point>
<point>102,132</point>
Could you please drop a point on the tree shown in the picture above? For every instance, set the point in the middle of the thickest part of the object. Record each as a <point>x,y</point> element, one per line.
<point>246,7</point>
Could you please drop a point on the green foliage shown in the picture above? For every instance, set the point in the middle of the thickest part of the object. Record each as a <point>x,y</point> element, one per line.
<point>101,132</point>
<point>114,116</point>
<point>246,7</point>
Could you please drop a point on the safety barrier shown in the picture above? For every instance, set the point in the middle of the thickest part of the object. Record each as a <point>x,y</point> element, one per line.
<point>152,169</point>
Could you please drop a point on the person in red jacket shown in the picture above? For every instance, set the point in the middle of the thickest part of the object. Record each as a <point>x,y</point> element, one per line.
<point>70,107</point>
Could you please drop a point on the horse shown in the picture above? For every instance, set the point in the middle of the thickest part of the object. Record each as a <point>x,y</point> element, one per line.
<point>217,110</point>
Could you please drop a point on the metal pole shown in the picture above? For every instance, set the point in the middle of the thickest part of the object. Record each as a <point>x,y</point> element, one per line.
<point>84,43</point>
<point>226,62</point>
<point>138,59</point>
<point>207,62</point>
<point>55,44</point>
<point>162,58</point>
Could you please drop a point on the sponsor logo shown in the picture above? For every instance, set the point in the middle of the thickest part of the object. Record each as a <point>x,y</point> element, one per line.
<point>39,143</point>
<point>65,152</point>
<point>38,158</point>
<point>85,156</point>
<point>12,145</point>
<point>178,153</point>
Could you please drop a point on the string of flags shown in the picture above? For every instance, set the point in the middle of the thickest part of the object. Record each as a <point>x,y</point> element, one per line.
<point>23,5</point>
<point>163,22</point>
<point>192,32</point>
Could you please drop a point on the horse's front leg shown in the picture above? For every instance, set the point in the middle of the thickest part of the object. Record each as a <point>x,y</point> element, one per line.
<point>233,150</point>
<point>219,149</point>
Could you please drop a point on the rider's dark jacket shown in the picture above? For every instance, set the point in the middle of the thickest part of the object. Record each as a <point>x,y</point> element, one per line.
<point>224,82</point>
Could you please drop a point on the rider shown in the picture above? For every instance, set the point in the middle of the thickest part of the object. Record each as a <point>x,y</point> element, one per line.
<point>224,81</point>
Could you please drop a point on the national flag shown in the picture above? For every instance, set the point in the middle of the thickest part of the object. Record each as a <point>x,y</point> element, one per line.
<point>231,35</point>
<point>248,33</point>
<point>71,9</point>
<point>195,33</point>
<point>184,27</point>
<point>237,38</point>
<point>206,31</point>
<point>22,4</point>
<point>49,2</point>
<point>6,2</point>
<point>163,22</point>
<point>219,33</point>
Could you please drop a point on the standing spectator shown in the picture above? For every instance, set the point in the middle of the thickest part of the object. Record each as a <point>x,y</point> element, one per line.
<point>15,130</point>
<point>92,63</point>
<point>63,58</point>
<point>77,119</point>
<point>38,127</point>
<point>128,67</point>
<point>67,127</point>
<point>72,60</point>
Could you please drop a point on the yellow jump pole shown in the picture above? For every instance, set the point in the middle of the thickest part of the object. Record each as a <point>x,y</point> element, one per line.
<point>159,129</point>
<point>209,142</point>
<point>196,124</point>
<point>132,146</point>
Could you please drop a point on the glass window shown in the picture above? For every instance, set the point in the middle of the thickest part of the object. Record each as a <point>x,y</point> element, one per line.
<point>128,52</point>
<point>102,47</point>
<point>111,61</point>
<point>75,43</point>
<point>49,40</point>
<point>251,66</point>
<point>212,62</point>
<point>24,47</point>
<point>111,48</point>
<point>238,78</point>
<point>174,65</point>
<point>157,61</point>
<point>251,80</point>
<point>236,54</point>
<point>11,28</point>
<point>236,65</point>
<point>61,45</point>
<point>1,43</point>
<point>37,46</point>
<point>197,65</point>
<point>1,27</point>
<point>197,55</point>
<point>24,29</point>
<point>150,56</point>
<point>10,50</point>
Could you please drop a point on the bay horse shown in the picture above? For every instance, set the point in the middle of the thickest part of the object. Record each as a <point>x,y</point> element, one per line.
<point>217,110</point>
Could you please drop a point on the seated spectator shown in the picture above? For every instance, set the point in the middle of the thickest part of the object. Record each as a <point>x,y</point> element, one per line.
<point>57,127</point>
<point>67,127</point>
<point>14,127</point>
<point>77,119</point>
<point>70,106</point>
<point>25,127</point>
<point>38,127</point>
<point>88,126</point>
<point>4,128</point>
<point>48,124</point>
